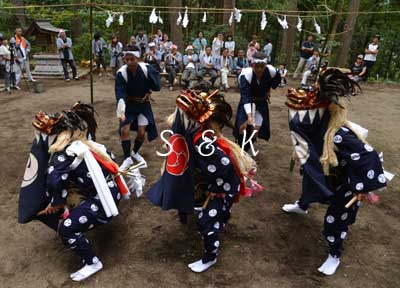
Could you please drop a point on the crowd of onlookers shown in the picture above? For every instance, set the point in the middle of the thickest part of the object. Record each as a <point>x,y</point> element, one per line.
<point>218,58</point>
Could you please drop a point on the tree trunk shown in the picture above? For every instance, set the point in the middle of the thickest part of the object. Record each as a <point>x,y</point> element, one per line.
<point>122,29</point>
<point>336,21</point>
<point>228,4</point>
<point>346,38</point>
<point>21,13</point>
<point>289,37</point>
<point>176,31</point>
<point>76,22</point>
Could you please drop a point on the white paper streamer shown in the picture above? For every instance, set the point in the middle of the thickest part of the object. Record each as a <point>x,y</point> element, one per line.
<point>109,20</point>
<point>153,16</point>
<point>283,22</point>
<point>159,18</point>
<point>185,20</point>
<point>121,19</point>
<point>299,23</point>
<point>263,20</point>
<point>230,19</point>
<point>179,20</point>
<point>204,20</point>
<point>317,27</point>
<point>238,15</point>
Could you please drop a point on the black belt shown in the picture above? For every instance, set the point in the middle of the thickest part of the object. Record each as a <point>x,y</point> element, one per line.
<point>138,99</point>
<point>258,99</point>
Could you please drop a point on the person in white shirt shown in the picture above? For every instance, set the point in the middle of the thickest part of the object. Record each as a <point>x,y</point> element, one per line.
<point>268,49</point>
<point>115,49</point>
<point>208,65</point>
<point>217,45</point>
<point>226,67</point>
<point>230,45</point>
<point>10,69</point>
<point>189,62</point>
<point>311,67</point>
<point>370,54</point>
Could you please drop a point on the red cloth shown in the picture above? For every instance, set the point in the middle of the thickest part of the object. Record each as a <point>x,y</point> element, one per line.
<point>112,167</point>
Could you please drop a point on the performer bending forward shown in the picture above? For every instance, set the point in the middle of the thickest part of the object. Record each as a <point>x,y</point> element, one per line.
<point>337,163</point>
<point>255,90</point>
<point>133,85</point>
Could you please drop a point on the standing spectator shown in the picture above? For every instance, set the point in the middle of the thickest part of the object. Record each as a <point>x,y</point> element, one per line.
<point>153,57</point>
<point>268,49</point>
<point>370,54</point>
<point>15,65</point>
<point>159,35</point>
<point>200,44</point>
<point>173,61</point>
<point>283,72</point>
<point>225,65</point>
<point>208,65</point>
<point>22,47</point>
<point>217,45</point>
<point>250,52</point>
<point>132,43</point>
<point>141,41</point>
<point>358,69</point>
<point>307,49</point>
<point>230,45</point>
<point>323,48</point>
<point>240,62</point>
<point>189,64</point>
<point>311,66</point>
<point>115,49</point>
<point>64,45</point>
<point>99,47</point>
<point>9,65</point>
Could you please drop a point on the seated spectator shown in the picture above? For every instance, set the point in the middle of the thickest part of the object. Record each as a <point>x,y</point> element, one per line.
<point>115,49</point>
<point>141,41</point>
<point>311,67</point>
<point>283,72</point>
<point>268,49</point>
<point>323,48</point>
<point>173,61</point>
<point>254,41</point>
<point>226,67</point>
<point>358,69</point>
<point>230,45</point>
<point>200,44</point>
<point>153,57</point>
<point>189,71</point>
<point>250,52</point>
<point>132,43</point>
<point>208,65</point>
<point>240,62</point>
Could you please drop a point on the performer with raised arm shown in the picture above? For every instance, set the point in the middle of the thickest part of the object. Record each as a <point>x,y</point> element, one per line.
<point>338,166</point>
<point>202,162</point>
<point>255,90</point>
<point>133,86</point>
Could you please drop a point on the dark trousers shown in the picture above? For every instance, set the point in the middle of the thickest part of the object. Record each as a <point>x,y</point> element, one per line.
<point>72,65</point>
<point>369,65</point>
<point>100,61</point>
<point>172,71</point>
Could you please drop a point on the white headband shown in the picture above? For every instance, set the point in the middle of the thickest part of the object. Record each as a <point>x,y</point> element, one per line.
<point>134,53</point>
<point>260,60</point>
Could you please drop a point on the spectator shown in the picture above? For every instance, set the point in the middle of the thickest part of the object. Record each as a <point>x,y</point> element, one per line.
<point>173,61</point>
<point>283,72</point>
<point>200,44</point>
<point>153,57</point>
<point>165,45</point>
<point>64,45</point>
<point>370,54</point>
<point>307,48</point>
<point>217,45</point>
<point>98,49</point>
<point>268,49</point>
<point>254,41</point>
<point>250,52</point>
<point>323,48</point>
<point>115,49</point>
<point>189,64</point>
<point>132,43</point>
<point>22,49</point>
<point>9,65</point>
<point>208,65</point>
<point>225,66</point>
<point>159,35</point>
<point>358,69</point>
<point>230,45</point>
<point>141,41</point>
<point>311,66</point>
<point>240,62</point>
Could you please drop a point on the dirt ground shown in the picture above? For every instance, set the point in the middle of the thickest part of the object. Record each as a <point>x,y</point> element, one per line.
<point>147,247</point>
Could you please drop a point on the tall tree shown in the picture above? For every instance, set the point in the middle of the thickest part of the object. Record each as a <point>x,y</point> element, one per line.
<point>228,4</point>
<point>20,13</point>
<point>76,22</point>
<point>289,36</point>
<point>175,30</point>
<point>347,36</point>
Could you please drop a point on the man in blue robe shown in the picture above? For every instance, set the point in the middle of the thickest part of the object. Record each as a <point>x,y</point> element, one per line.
<point>133,86</point>
<point>255,89</point>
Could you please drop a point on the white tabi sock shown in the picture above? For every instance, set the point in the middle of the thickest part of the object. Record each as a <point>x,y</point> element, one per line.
<point>199,266</point>
<point>128,162</point>
<point>87,271</point>
<point>294,208</point>
<point>330,265</point>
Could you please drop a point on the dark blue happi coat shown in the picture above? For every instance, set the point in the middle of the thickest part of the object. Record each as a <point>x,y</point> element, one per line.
<point>126,87</point>
<point>253,91</point>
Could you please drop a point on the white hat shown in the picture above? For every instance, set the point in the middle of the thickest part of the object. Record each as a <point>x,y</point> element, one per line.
<point>152,44</point>
<point>189,47</point>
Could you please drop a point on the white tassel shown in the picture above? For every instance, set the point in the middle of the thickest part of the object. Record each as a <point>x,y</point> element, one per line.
<point>121,19</point>
<point>263,21</point>
<point>204,20</point>
<point>109,20</point>
<point>238,15</point>
<point>317,27</point>
<point>283,22</point>
<point>179,20</point>
<point>159,18</point>
<point>153,16</point>
<point>299,24</point>
<point>185,20</point>
<point>230,19</point>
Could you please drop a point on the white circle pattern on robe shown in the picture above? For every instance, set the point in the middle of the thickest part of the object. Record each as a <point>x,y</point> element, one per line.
<point>227,187</point>
<point>355,156</point>
<point>343,235</point>
<point>382,178</point>
<point>337,139</point>
<point>83,219</point>
<point>61,158</point>
<point>219,181</point>
<point>64,193</point>
<point>212,212</point>
<point>368,148</point>
<point>50,169</point>
<point>118,196</point>
<point>371,174</point>
<point>225,161</point>
<point>91,226</point>
<point>64,176</point>
<point>71,241</point>
<point>330,239</point>
<point>216,244</point>
<point>47,194</point>
<point>330,219</point>
<point>80,179</point>
<point>95,260</point>
<point>348,193</point>
<point>216,225</point>
<point>211,168</point>
<point>360,186</point>
<point>210,233</point>
<point>67,222</point>
<point>111,184</point>
<point>344,216</point>
<point>200,215</point>
<point>94,208</point>
<point>88,175</point>
<point>344,129</point>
